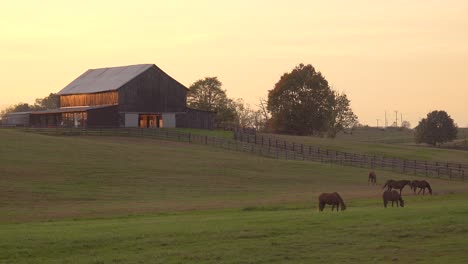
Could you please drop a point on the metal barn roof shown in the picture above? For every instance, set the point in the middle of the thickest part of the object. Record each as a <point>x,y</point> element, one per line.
<point>104,79</point>
<point>73,109</point>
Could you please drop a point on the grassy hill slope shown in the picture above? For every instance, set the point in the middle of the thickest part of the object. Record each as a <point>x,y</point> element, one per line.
<point>391,143</point>
<point>48,177</point>
<point>130,200</point>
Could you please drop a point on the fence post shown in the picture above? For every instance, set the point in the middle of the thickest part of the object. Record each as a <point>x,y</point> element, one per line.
<point>449,172</point>
<point>302,148</point>
<point>190,138</point>
<point>425,166</point>
<point>206,140</point>
<point>460,169</point>
<point>255,137</point>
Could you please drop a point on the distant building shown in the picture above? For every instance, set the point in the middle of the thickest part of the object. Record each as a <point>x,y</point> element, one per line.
<point>129,96</point>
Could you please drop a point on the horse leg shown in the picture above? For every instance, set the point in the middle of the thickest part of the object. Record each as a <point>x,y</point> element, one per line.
<point>424,191</point>
<point>420,189</point>
<point>385,203</point>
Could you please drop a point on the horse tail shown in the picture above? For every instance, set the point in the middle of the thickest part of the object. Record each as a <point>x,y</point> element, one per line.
<point>340,200</point>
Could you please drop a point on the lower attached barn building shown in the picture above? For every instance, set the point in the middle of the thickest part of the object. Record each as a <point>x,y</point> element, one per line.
<point>129,96</point>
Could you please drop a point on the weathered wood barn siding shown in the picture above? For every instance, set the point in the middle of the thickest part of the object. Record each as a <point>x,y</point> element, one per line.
<point>103,117</point>
<point>105,98</point>
<point>152,91</point>
<point>193,118</point>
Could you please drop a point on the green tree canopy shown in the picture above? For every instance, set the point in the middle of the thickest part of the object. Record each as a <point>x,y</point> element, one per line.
<point>303,103</point>
<point>438,127</point>
<point>207,94</point>
<point>342,116</point>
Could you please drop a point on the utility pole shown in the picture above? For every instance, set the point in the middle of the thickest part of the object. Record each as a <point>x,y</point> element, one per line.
<point>401,119</point>
<point>386,123</point>
<point>396,118</point>
<point>377,123</point>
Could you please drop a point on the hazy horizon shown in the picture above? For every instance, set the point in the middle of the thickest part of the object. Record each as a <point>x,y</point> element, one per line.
<point>385,55</point>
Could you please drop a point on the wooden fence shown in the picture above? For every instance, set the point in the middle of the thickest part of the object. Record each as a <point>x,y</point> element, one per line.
<point>276,148</point>
<point>308,152</point>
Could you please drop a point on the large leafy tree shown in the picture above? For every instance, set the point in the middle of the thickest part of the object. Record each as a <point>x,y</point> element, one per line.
<point>438,127</point>
<point>207,94</point>
<point>342,116</point>
<point>303,103</point>
<point>49,102</point>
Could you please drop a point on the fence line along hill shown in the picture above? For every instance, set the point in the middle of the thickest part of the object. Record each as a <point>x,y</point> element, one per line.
<point>274,147</point>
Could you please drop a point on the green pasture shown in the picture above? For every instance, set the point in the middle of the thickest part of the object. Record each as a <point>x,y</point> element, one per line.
<point>391,142</point>
<point>209,133</point>
<point>427,230</point>
<point>133,200</point>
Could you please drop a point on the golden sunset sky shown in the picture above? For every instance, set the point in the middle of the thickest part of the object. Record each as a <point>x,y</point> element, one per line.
<point>405,55</point>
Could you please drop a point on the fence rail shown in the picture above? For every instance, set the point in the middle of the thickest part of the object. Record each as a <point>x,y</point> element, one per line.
<point>276,148</point>
<point>308,152</point>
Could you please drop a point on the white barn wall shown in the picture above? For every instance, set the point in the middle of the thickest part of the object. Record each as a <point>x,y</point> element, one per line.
<point>169,120</point>
<point>131,119</point>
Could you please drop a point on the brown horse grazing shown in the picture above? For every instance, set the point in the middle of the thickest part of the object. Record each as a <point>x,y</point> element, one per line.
<point>422,185</point>
<point>393,196</point>
<point>399,185</point>
<point>372,178</point>
<point>331,198</point>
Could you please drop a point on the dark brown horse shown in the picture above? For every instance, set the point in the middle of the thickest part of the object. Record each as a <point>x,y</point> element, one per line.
<point>399,185</point>
<point>393,196</point>
<point>422,185</point>
<point>331,198</point>
<point>372,178</point>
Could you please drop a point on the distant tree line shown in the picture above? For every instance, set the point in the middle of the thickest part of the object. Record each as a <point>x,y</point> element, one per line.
<point>49,102</point>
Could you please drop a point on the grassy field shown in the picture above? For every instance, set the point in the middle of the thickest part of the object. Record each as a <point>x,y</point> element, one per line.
<point>130,200</point>
<point>209,133</point>
<point>390,142</point>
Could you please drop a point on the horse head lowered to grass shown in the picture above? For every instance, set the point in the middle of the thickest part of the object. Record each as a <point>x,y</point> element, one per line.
<point>422,185</point>
<point>393,196</point>
<point>333,199</point>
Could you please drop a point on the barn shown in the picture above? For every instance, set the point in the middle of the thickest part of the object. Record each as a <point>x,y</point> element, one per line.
<point>140,95</point>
